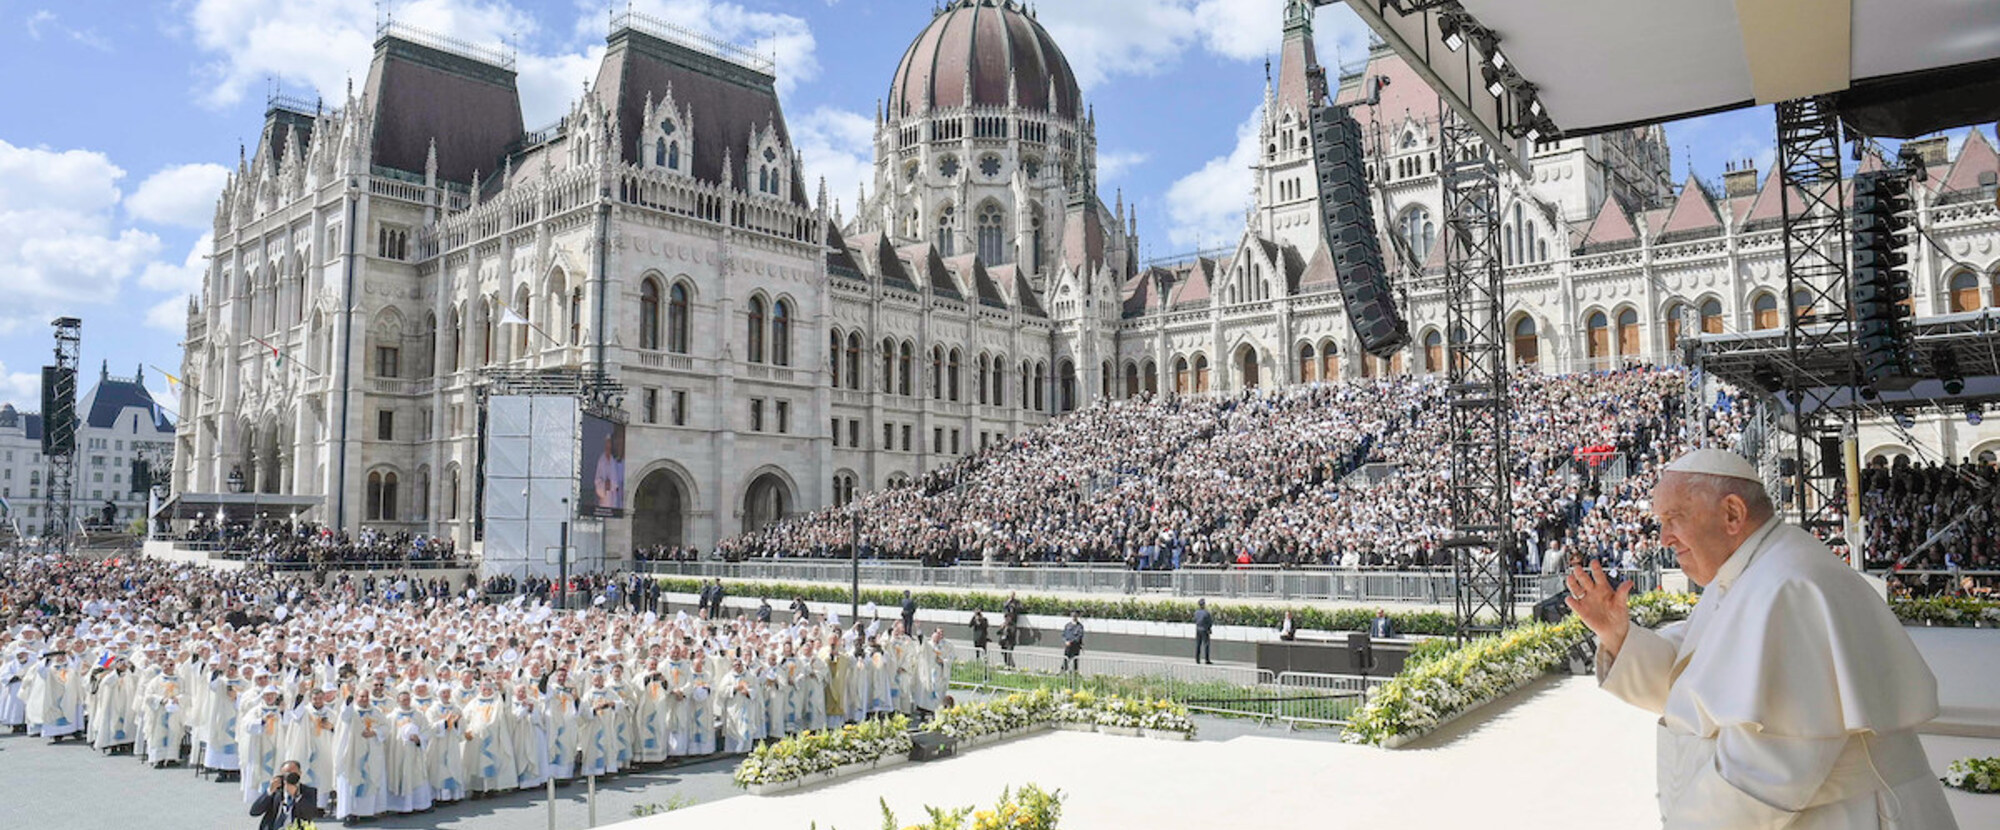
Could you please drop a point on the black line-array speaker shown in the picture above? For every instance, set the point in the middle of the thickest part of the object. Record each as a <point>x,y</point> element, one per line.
<point>1348,220</point>
<point>58,410</point>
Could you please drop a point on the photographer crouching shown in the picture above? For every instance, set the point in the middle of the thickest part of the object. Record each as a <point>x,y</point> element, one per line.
<point>287,802</point>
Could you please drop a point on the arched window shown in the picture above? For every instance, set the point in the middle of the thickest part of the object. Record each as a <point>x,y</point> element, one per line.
<point>381,497</point>
<point>1675,311</point>
<point>1131,379</point>
<point>1041,384</point>
<point>1200,374</point>
<point>951,377</point>
<point>992,242</point>
<point>833,356</point>
<point>754,348</point>
<point>1182,382</point>
<point>649,315</point>
<point>781,333</point>
<point>1419,231</point>
<point>1433,351</point>
<point>937,372</point>
<point>946,215</point>
<point>451,493</point>
<point>1965,292</point>
<point>457,353</point>
<point>1329,361</point>
<point>1527,342</point>
<point>905,366</point>
<point>1150,380</point>
<point>1711,316</point>
<point>979,372</point>
<point>763,180</point>
<point>674,155</point>
<point>854,360</point>
<point>1306,365</point>
<point>888,365</point>
<point>1599,329</point>
<point>486,336</point>
<point>576,316</point>
<point>659,152</point>
<point>1628,333</point>
<point>999,380</point>
<point>1765,311</point>
<point>677,319</point>
<point>1802,304</point>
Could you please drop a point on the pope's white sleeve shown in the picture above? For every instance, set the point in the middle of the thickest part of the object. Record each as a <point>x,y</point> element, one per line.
<point>1643,670</point>
<point>1756,781</point>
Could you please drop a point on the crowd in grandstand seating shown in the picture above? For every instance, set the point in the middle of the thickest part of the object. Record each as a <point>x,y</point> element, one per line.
<point>1264,478</point>
<point>1951,506</point>
<point>389,704</point>
<point>286,544</point>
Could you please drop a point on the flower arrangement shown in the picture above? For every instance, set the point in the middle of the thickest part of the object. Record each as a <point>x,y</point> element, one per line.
<point>1963,612</point>
<point>813,752</point>
<point>1427,693</point>
<point>1033,808</point>
<point>1025,709</point>
<point>1001,714</point>
<point>1974,775</point>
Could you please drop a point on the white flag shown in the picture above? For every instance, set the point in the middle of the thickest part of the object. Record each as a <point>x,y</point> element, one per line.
<point>509,317</point>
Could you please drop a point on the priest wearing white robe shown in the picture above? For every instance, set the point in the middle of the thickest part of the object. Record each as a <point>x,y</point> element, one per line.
<point>1790,698</point>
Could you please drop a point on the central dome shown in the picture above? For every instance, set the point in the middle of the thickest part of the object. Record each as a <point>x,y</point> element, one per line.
<point>991,43</point>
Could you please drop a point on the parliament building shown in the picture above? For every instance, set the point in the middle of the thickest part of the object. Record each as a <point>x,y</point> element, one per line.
<point>375,259</point>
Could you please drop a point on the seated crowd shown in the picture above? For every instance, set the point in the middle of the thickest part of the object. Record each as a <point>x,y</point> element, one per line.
<point>293,545</point>
<point>397,707</point>
<point>1268,478</point>
<point>1933,517</point>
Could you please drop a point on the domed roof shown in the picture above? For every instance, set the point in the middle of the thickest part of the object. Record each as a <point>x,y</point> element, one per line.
<point>988,41</point>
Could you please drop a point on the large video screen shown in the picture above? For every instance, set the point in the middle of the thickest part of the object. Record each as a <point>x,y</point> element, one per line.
<point>603,468</point>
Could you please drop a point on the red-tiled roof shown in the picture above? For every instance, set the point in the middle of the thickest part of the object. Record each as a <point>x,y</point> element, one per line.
<point>1692,211</point>
<point>1611,225</point>
<point>1974,158</point>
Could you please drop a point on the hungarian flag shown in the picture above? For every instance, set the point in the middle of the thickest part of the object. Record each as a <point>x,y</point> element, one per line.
<point>277,356</point>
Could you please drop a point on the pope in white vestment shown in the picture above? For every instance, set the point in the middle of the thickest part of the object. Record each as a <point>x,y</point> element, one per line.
<point>1791,697</point>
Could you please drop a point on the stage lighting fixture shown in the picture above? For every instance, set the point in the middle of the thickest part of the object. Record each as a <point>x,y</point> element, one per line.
<point>1944,362</point>
<point>1495,84</point>
<point>1499,60</point>
<point>1904,419</point>
<point>1974,414</point>
<point>1451,23</point>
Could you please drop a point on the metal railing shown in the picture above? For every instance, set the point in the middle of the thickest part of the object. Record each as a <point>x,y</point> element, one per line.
<point>1331,584</point>
<point>1294,698</point>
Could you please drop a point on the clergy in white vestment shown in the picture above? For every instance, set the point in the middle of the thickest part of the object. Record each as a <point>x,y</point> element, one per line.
<point>559,711</point>
<point>309,732</point>
<point>14,670</point>
<point>598,715</point>
<point>54,696</point>
<point>260,739</point>
<point>111,723</point>
<point>165,722</point>
<point>447,750</point>
<point>531,737</point>
<point>489,742</point>
<point>219,748</point>
<point>406,758</point>
<point>360,764</point>
<point>741,709</point>
<point>653,711</point>
<point>1791,696</point>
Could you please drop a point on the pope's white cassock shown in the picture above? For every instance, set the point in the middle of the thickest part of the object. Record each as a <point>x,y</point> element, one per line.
<point>1789,699</point>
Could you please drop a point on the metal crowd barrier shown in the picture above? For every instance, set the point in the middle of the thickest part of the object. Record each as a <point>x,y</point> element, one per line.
<point>1435,587</point>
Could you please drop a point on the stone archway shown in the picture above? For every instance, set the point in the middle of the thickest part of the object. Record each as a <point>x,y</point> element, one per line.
<point>767,500</point>
<point>1247,365</point>
<point>659,511</point>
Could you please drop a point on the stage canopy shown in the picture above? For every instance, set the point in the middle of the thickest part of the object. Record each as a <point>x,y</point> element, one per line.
<point>1898,68</point>
<point>244,505</point>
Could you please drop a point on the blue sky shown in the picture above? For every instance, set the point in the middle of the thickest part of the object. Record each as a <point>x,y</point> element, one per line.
<point>122,118</point>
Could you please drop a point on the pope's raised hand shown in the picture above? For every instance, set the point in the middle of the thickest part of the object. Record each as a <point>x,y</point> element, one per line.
<point>1601,606</point>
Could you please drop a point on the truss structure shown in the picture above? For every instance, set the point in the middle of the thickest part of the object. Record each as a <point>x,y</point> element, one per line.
<point>1475,302</point>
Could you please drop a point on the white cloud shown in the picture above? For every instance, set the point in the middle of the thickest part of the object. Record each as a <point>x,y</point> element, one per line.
<point>840,146</point>
<point>57,240</point>
<point>1205,208</point>
<point>169,315</point>
<point>184,278</point>
<point>22,389</point>
<point>43,22</point>
<point>183,196</point>
<point>550,84</point>
<point>322,43</point>
<point>1111,166</point>
<point>1106,38</point>
<point>786,38</point>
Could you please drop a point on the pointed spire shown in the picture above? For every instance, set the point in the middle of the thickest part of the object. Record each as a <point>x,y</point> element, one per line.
<point>431,164</point>
<point>728,169</point>
<point>1121,206</point>
<point>475,187</point>
<point>139,374</point>
<point>822,194</point>
<point>105,373</point>
<point>507,173</point>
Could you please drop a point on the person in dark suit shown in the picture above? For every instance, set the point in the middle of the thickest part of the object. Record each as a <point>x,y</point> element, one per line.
<point>286,802</point>
<point>909,614</point>
<point>1072,642</point>
<point>979,628</point>
<point>1381,628</point>
<point>1204,625</point>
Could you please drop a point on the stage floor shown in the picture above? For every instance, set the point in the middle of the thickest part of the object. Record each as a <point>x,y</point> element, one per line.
<point>1559,754</point>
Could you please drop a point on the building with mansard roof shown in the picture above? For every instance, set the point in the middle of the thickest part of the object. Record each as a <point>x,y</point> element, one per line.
<point>372,257</point>
<point>122,437</point>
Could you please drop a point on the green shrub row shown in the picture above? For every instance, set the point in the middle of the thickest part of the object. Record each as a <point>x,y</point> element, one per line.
<point>1148,610</point>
